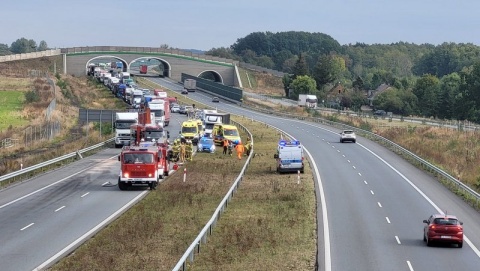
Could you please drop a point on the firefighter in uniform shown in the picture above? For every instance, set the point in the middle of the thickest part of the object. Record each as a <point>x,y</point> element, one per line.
<point>248,146</point>
<point>189,150</point>
<point>182,152</point>
<point>176,149</point>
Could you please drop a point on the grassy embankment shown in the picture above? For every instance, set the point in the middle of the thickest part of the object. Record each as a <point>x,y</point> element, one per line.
<point>269,225</point>
<point>71,94</point>
<point>12,97</point>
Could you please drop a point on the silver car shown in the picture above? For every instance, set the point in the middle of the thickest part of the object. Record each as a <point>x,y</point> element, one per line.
<point>348,135</point>
<point>175,108</point>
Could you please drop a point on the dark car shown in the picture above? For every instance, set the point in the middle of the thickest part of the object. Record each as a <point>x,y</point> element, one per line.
<point>443,229</point>
<point>380,113</point>
<point>215,100</point>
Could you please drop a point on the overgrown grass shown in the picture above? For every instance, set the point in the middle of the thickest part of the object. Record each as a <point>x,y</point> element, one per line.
<point>270,224</point>
<point>19,84</point>
<point>11,108</point>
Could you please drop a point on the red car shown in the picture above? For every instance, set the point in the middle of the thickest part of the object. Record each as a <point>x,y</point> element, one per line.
<point>443,229</point>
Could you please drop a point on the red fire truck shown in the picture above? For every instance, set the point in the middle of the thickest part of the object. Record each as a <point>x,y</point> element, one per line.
<point>147,134</point>
<point>139,165</point>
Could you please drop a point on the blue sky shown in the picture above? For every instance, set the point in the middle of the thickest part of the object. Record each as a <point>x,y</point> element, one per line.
<point>202,24</point>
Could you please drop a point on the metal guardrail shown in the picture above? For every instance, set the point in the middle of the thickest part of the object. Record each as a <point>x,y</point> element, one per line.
<point>52,161</point>
<point>201,239</point>
<point>470,195</point>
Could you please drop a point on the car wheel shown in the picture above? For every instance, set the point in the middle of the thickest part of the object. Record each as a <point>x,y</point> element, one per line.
<point>429,243</point>
<point>354,141</point>
<point>341,141</point>
<point>460,245</point>
<point>424,239</point>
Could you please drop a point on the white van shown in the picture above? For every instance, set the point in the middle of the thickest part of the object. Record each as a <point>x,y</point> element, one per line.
<point>289,156</point>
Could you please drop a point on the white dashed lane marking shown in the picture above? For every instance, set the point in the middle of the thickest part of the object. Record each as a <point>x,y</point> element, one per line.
<point>59,208</point>
<point>85,194</point>
<point>26,227</point>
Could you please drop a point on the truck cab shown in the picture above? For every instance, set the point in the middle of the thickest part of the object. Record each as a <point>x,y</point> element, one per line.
<point>189,131</point>
<point>139,165</point>
<point>289,156</point>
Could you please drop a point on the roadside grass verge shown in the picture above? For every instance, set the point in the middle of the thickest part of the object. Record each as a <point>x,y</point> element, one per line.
<point>270,224</point>
<point>11,109</point>
<point>271,221</point>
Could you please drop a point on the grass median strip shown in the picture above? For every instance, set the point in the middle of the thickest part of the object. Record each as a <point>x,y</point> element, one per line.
<point>270,224</point>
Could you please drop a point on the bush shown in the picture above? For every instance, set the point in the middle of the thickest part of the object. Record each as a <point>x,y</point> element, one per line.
<point>31,96</point>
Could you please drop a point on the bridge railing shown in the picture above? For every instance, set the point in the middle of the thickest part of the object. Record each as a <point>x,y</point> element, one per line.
<point>100,49</point>
<point>24,56</point>
<point>29,170</point>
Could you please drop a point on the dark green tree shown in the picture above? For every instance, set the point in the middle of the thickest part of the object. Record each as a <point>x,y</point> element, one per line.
<point>427,91</point>
<point>287,81</point>
<point>449,91</point>
<point>303,84</point>
<point>358,84</point>
<point>328,69</point>
<point>42,46</point>
<point>301,67</point>
<point>23,45</point>
<point>4,50</point>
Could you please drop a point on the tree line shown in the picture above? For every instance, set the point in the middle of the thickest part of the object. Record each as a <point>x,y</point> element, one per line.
<point>438,81</point>
<point>21,46</point>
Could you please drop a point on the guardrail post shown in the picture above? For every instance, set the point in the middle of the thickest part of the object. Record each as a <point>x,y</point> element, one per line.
<point>79,155</point>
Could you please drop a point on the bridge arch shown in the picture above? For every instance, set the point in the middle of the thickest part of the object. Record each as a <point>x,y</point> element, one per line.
<point>126,67</point>
<point>211,75</point>
<point>167,67</point>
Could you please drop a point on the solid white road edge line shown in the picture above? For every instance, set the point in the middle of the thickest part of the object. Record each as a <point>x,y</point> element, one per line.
<point>87,234</point>
<point>474,248</point>
<point>59,181</point>
<point>326,230</point>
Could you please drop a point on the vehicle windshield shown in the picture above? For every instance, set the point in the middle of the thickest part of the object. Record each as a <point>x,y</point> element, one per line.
<point>149,135</point>
<point>230,132</point>
<point>207,140</point>
<point>348,132</point>
<point>209,126</point>
<point>158,112</point>
<point>124,124</point>
<point>446,221</point>
<point>189,130</point>
<point>138,158</point>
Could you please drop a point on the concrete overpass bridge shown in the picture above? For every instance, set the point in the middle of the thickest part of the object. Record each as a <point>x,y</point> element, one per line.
<point>174,62</point>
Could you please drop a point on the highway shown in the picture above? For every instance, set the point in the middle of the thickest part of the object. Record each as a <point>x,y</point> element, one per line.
<point>48,216</point>
<point>371,204</point>
<point>374,202</point>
